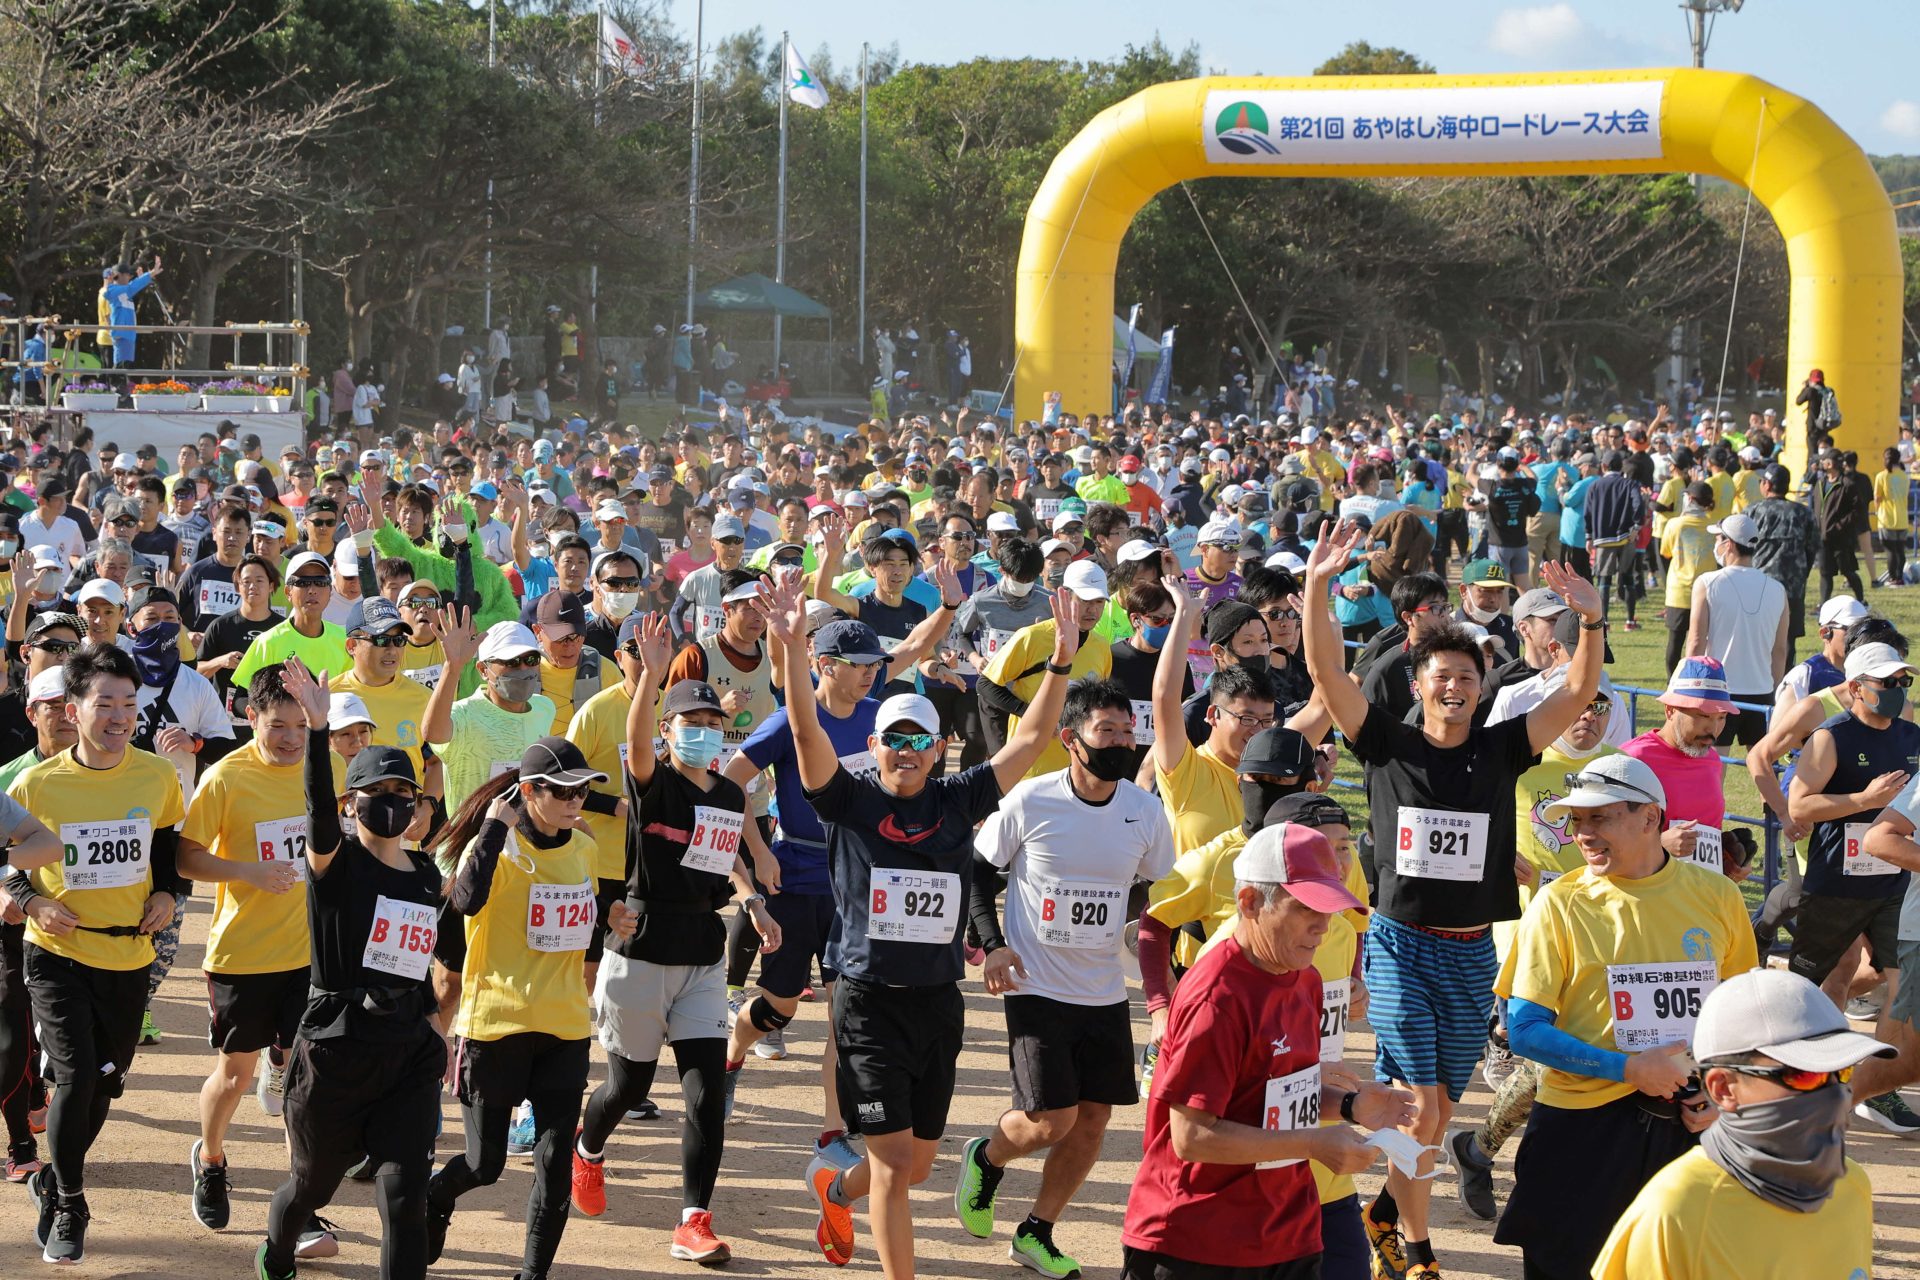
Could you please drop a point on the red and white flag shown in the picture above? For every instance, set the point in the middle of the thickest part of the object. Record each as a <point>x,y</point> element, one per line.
<point>618,49</point>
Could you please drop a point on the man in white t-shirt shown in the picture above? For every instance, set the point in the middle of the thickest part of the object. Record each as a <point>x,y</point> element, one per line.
<point>1739,616</point>
<point>49,525</point>
<point>1072,844</point>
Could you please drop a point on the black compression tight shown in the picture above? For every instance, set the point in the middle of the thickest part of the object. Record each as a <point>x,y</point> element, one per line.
<point>20,1088</point>
<point>399,1192</point>
<point>702,1065</point>
<point>74,1119</point>
<point>555,1113</point>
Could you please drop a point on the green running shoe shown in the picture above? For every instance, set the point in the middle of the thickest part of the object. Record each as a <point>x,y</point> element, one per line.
<point>973,1194</point>
<point>1030,1251</point>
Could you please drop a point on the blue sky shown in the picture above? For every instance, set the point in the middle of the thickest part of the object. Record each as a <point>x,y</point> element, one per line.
<point>1854,58</point>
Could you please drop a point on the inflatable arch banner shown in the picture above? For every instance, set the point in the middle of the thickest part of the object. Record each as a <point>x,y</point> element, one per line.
<point>1828,203</point>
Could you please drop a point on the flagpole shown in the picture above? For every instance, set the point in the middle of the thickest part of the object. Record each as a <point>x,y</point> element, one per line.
<point>780,217</point>
<point>693,183</point>
<point>861,351</point>
<point>599,74</point>
<point>493,36</point>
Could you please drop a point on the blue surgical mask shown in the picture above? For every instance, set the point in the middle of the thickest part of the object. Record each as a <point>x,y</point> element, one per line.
<point>1156,637</point>
<point>697,745</point>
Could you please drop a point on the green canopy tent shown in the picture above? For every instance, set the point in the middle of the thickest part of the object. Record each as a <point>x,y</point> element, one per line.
<point>758,294</point>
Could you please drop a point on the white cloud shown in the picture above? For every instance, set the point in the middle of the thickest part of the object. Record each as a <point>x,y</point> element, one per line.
<point>1540,33</point>
<point>1902,119</point>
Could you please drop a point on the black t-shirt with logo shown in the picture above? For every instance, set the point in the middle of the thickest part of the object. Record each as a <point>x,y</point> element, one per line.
<point>677,904</point>
<point>907,864</point>
<point>1474,780</point>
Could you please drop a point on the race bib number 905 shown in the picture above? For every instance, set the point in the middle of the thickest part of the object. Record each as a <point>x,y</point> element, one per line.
<point>912,906</point>
<point>105,855</point>
<point>1656,1004</point>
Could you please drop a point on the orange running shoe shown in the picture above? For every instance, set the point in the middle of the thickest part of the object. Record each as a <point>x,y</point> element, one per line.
<point>589,1183</point>
<point>834,1234</point>
<point>694,1241</point>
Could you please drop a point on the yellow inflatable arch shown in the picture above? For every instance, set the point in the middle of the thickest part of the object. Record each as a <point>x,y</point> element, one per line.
<point>1813,178</point>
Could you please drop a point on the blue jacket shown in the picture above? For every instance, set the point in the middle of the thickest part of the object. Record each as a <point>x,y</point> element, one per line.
<point>120,301</point>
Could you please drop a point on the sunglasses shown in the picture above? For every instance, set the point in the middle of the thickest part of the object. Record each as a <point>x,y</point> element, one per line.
<point>381,642</point>
<point>117,521</point>
<point>421,602</point>
<point>1280,615</point>
<point>621,584</point>
<point>522,661</point>
<point>1599,707</point>
<point>54,646</point>
<point>565,793</point>
<point>306,583</point>
<point>1792,1077</point>
<point>960,535</point>
<point>1893,682</point>
<point>894,741</point>
<point>731,542</point>
<point>322,524</point>
<point>1575,781</point>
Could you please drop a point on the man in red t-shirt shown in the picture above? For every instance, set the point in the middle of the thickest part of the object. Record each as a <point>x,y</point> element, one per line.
<point>1237,1096</point>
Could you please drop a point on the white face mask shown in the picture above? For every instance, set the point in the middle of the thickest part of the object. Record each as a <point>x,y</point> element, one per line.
<point>1480,615</point>
<point>1014,590</point>
<point>620,603</point>
<point>1130,477</point>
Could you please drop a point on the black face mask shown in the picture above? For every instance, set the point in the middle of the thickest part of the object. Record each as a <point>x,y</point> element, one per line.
<point>1256,663</point>
<point>1257,797</point>
<point>386,816</point>
<point>1109,764</point>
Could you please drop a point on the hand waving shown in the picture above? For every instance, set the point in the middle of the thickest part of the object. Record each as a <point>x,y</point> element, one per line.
<point>312,695</point>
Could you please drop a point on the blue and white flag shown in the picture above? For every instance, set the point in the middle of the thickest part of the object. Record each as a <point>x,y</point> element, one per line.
<point>1163,374</point>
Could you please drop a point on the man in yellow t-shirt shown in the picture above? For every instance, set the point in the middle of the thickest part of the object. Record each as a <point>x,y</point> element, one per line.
<point>1774,1055</point>
<point>246,832</point>
<point>93,899</point>
<point>405,714</point>
<point>1018,668</point>
<point>1688,547</point>
<point>1603,987</point>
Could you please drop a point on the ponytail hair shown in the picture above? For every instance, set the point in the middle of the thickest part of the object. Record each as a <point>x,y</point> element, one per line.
<point>451,841</point>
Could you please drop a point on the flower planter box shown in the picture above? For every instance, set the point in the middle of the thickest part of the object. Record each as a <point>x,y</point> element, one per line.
<point>276,404</point>
<point>166,401</point>
<point>85,401</point>
<point>236,403</point>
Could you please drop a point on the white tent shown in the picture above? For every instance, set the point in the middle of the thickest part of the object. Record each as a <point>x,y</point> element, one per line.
<point>1146,350</point>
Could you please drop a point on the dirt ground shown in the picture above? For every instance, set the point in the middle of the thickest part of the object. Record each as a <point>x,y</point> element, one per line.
<point>143,1224</point>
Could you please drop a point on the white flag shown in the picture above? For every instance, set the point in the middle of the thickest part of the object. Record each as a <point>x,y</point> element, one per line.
<point>618,50</point>
<point>801,86</point>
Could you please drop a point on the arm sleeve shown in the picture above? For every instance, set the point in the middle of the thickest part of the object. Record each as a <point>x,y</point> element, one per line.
<point>463,586</point>
<point>1156,956</point>
<point>166,863</point>
<point>473,878</point>
<point>1531,1032</point>
<point>677,614</point>
<point>999,697</point>
<point>602,803</point>
<point>323,813</point>
<point>983,904</point>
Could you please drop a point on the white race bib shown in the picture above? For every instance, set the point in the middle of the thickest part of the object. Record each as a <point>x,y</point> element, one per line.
<point>1547,878</point>
<point>559,916</point>
<point>1706,846</point>
<point>1656,1004</point>
<point>428,676</point>
<point>1858,862</point>
<point>1439,844</point>
<point>859,762</point>
<point>1045,509</point>
<point>1142,723</point>
<point>1080,915</point>
<point>890,643</point>
<point>1293,1102</point>
<point>106,855</point>
<point>217,598</point>
<point>623,757</point>
<point>993,641</point>
<point>1336,999</point>
<point>401,940</point>
<point>716,840</point>
<point>499,767</point>
<point>707,621</point>
<point>283,840</point>
<point>912,906</point>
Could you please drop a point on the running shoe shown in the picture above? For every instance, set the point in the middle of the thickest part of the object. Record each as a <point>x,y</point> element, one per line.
<point>23,1161</point>
<point>262,1272</point>
<point>806,994</point>
<point>362,1172</point>
<point>1891,1112</point>
<point>1863,1008</point>
<point>1475,1187</point>
<point>317,1239</point>
<point>837,1151</point>
<point>694,1241</point>
<point>67,1242</point>
<point>271,1086</point>
<point>589,1182</point>
<point>1633,624</point>
<point>1424,1271</point>
<point>1388,1246</point>
<point>520,1137</point>
<point>46,1201</point>
<point>834,1232</point>
<point>772,1046</point>
<point>973,1194</point>
<point>211,1189</point>
<point>1036,1253</point>
<point>736,1003</point>
<point>730,1083</point>
<point>37,1119</point>
<point>647,1110</point>
<point>149,1032</point>
<point>437,1223</point>
<point>1499,1064</point>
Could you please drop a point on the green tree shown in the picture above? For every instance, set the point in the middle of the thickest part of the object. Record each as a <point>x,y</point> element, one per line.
<point>1362,59</point>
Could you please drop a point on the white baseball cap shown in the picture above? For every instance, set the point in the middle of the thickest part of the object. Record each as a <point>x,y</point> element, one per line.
<point>1138,549</point>
<point>1842,611</point>
<point>1001,522</point>
<point>1220,533</point>
<point>507,640</point>
<point>1783,1016</point>
<point>346,709</point>
<point>908,707</point>
<point>306,558</point>
<point>106,589</point>
<point>1065,518</point>
<point>1738,529</point>
<point>49,686</point>
<point>346,558</point>
<point>1086,579</point>
<point>269,529</point>
<point>1609,780</point>
<point>1875,661</point>
<point>609,509</point>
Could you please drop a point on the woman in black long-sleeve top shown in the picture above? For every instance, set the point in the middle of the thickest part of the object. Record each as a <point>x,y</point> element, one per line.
<point>364,1076</point>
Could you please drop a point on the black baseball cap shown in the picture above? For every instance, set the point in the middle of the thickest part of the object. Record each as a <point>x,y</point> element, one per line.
<point>561,606</point>
<point>1308,809</point>
<point>557,761</point>
<point>1279,751</point>
<point>690,695</point>
<point>849,640</point>
<point>378,764</point>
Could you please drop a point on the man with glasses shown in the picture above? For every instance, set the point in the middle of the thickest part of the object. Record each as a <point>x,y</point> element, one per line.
<point>1421,604</point>
<point>1442,799</point>
<point>1563,640</point>
<point>619,582</point>
<point>306,633</point>
<point>1607,978</point>
<point>425,661</point>
<point>1853,766</point>
<point>700,591</point>
<point>405,715</point>
<point>320,527</point>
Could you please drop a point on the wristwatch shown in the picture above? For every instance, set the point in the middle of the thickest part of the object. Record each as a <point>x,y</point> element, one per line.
<point>1060,671</point>
<point>752,898</point>
<point>1346,1105</point>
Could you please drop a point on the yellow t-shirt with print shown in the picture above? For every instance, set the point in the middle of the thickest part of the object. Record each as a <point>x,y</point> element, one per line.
<point>1583,925</point>
<point>1723,486</point>
<point>1199,890</point>
<point>399,710</point>
<point>509,985</point>
<point>247,809</point>
<point>1020,666</point>
<point>557,683</point>
<point>106,818</point>
<point>1694,1221</point>
<point>599,729</point>
<point>424,664</point>
<point>1687,543</point>
<point>1746,490</point>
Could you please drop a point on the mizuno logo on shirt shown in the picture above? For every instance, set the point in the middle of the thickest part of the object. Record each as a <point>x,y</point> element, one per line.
<point>1281,1046</point>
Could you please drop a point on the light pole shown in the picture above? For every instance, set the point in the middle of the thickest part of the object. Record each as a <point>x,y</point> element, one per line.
<point>1700,14</point>
<point>493,55</point>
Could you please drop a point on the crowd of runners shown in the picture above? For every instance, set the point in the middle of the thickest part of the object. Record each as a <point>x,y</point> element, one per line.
<point>480,749</point>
